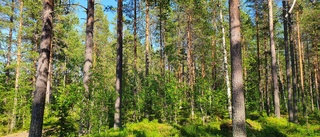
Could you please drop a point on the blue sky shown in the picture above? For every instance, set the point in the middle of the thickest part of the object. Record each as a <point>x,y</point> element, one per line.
<point>82,14</point>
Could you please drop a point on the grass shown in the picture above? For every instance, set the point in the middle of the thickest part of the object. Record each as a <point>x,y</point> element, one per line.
<point>259,127</point>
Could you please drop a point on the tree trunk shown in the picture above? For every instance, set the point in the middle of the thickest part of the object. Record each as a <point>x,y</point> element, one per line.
<point>190,64</point>
<point>225,65</point>
<point>315,71</point>
<point>261,108</point>
<point>162,58</point>
<point>274,64</point>
<point>310,79</point>
<point>16,84</point>
<point>7,69</point>
<point>117,113</point>
<point>266,77</point>
<point>294,78</point>
<point>179,44</point>
<point>48,92</point>
<point>42,70</point>
<point>287,54</point>
<point>213,53</point>
<point>238,112</point>
<point>203,73</point>
<point>87,67</point>
<point>281,86</point>
<point>300,48</point>
<point>147,38</point>
<point>135,90</point>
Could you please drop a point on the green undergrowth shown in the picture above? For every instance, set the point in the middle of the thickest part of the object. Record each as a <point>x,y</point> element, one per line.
<point>261,127</point>
<point>144,128</point>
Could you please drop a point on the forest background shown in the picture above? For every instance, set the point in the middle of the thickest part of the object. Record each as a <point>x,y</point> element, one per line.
<point>176,69</point>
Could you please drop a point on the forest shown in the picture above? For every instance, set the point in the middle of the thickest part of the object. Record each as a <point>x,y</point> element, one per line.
<point>158,68</point>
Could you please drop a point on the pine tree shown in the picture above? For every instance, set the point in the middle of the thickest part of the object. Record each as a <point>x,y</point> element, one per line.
<point>118,102</point>
<point>42,71</point>
<point>238,111</point>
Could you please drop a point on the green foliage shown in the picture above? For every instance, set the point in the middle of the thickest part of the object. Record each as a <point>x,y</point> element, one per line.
<point>144,128</point>
<point>162,98</point>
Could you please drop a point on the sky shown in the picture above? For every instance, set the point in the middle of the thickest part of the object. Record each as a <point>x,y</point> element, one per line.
<point>82,14</point>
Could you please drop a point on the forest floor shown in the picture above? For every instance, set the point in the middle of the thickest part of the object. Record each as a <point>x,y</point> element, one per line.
<point>257,126</point>
<point>21,134</point>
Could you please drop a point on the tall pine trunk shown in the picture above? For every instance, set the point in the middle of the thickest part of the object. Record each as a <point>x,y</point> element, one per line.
<point>238,104</point>
<point>42,70</point>
<point>213,53</point>
<point>261,108</point>
<point>191,74</point>
<point>147,38</point>
<point>315,71</point>
<point>310,74</point>
<point>135,90</point>
<point>287,58</point>
<point>85,123</point>
<point>274,64</point>
<point>48,92</point>
<point>118,102</point>
<point>293,96</point>
<point>300,48</point>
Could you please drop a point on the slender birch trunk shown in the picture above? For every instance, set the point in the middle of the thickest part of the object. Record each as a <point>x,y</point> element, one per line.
<point>225,65</point>
<point>16,84</point>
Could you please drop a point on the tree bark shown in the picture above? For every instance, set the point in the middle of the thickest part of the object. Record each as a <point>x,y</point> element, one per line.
<point>191,74</point>
<point>84,127</point>
<point>315,71</point>
<point>135,90</point>
<point>16,84</point>
<point>147,38</point>
<point>162,58</point>
<point>266,53</point>
<point>7,69</point>
<point>118,103</point>
<point>274,64</point>
<point>213,53</point>
<point>225,65</point>
<point>310,78</point>
<point>48,92</point>
<point>42,70</point>
<point>287,58</point>
<point>293,97</point>
<point>238,111</point>
<point>261,108</point>
<point>300,48</point>
<point>281,84</point>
